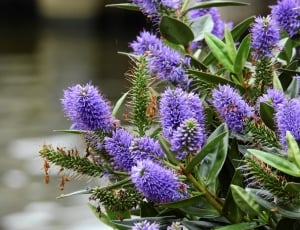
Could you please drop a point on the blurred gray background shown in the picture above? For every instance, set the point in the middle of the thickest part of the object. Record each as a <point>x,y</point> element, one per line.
<point>46,46</point>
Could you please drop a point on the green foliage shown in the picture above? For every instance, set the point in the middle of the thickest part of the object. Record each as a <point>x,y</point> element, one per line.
<point>142,114</point>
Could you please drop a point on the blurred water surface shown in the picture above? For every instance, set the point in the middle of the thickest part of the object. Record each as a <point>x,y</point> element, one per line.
<point>37,61</point>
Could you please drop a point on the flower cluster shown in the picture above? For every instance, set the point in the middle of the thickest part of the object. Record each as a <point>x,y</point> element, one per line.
<point>206,105</point>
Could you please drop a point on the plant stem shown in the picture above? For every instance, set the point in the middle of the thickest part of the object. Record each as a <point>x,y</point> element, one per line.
<point>210,197</point>
<point>184,5</point>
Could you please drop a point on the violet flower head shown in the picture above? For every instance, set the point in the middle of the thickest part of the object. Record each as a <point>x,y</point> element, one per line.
<point>87,109</point>
<point>287,118</point>
<point>275,96</point>
<point>148,7</point>
<point>145,148</point>
<point>188,138</point>
<point>117,147</point>
<point>152,7</point>
<point>231,107</point>
<point>156,183</point>
<point>264,36</point>
<point>145,225</point>
<point>145,42</point>
<point>175,106</point>
<point>286,13</point>
<point>167,64</point>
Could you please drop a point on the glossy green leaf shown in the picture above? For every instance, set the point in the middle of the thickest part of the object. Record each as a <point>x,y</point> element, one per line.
<point>208,148</point>
<point>240,226</point>
<point>276,83</point>
<point>293,149</point>
<point>213,79</point>
<point>242,55</point>
<point>101,216</point>
<point>125,6</point>
<point>175,31</point>
<point>206,212</point>
<point>71,131</point>
<point>183,203</point>
<point>166,147</point>
<point>213,163</point>
<point>209,4</point>
<point>287,51</point>
<point>147,210</point>
<point>292,187</point>
<point>219,50</point>
<point>236,33</point>
<point>277,162</point>
<point>79,192</point>
<point>230,45</point>
<point>286,77</point>
<point>201,25</point>
<point>293,90</point>
<point>245,201</point>
<point>196,63</point>
<point>266,112</point>
<point>119,103</point>
<point>201,224</point>
<point>292,214</point>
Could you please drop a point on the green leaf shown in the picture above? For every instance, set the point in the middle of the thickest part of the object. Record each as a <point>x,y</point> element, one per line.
<point>276,162</point>
<point>101,216</point>
<point>292,214</point>
<point>166,147</point>
<point>236,32</point>
<point>201,25</point>
<point>118,104</point>
<point>286,77</point>
<point>209,4</point>
<point>196,63</point>
<point>213,163</point>
<point>201,224</point>
<point>276,83</point>
<point>79,192</point>
<point>287,52</point>
<point>230,46</point>
<point>241,28</point>
<point>293,149</point>
<point>71,131</point>
<point>209,147</point>
<point>147,210</point>
<point>266,112</point>
<point>293,90</point>
<point>182,203</point>
<point>175,31</point>
<point>292,187</point>
<point>126,6</point>
<point>213,79</point>
<point>240,226</point>
<point>245,201</point>
<point>242,55</point>
<point>219,50</point>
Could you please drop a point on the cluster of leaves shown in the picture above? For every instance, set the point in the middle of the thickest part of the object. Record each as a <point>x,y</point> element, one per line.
<point>235,181</point>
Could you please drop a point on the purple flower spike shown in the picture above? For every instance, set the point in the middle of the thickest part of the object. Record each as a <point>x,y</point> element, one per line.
<point>275,96</point>
<point>176,106</point>
<point>288,119</point>
<point>287,13</point>
<point>145,42</point>
<point>145,225</point>
<point>231,106</point>
<point>167,64</point>
<point>145,148</point>
<point>148,7</point>
<point>117,147</point>
<point>87,109</point>
<point>264,36</point>
<point>156,183</point>
<point>188,138</point>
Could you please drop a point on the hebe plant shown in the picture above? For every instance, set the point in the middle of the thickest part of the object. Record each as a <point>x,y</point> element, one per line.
<point>211,139</point>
